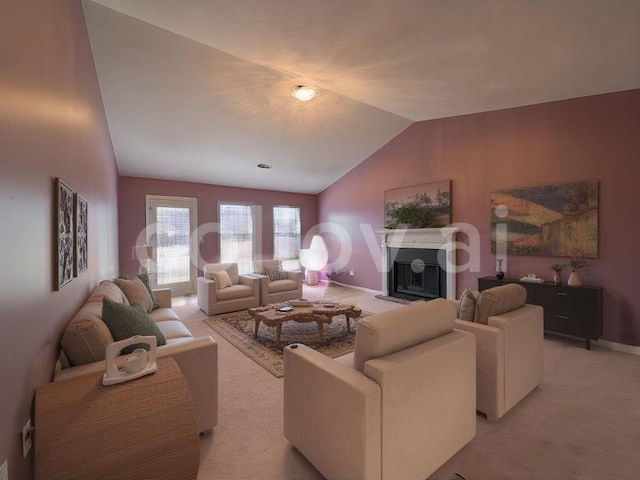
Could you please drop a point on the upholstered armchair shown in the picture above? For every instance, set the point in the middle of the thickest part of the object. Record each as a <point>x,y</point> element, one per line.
<point>509,338</point>
<point>223,290</point>
<point>399,406</point>
<point>277,285</point>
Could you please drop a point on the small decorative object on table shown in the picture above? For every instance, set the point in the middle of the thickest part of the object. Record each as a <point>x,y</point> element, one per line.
<point>138,364</point>
<point>576,262</point>
<point>499,272</point>
<point>557,272</point>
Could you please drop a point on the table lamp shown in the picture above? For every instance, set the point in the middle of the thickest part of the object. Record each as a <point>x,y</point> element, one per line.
<point>143,253</point>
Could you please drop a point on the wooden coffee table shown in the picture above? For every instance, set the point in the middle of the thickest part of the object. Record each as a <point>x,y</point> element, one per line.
<point>320,312</point>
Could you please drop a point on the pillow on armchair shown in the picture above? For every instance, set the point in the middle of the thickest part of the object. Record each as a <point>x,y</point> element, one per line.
<point>223,280</point>
<point>275,273</point>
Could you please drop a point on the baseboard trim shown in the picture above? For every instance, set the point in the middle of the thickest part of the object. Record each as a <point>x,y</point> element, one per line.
<point>356,287</point>
<point>619,347</point>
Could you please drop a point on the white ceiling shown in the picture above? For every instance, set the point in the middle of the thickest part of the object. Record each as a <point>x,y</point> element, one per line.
<point>199,90</point>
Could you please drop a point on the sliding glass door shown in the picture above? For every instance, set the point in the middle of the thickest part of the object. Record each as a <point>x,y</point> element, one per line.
<point>170,223</point>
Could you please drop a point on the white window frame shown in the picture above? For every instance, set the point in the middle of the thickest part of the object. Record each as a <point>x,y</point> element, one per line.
<point>154,201</point>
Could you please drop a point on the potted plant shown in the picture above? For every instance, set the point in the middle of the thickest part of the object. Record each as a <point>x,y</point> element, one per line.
<point>576,262</point>
<point>557,269</point>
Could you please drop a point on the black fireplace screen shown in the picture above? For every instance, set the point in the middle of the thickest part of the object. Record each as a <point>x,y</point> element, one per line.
<point>416,274</point>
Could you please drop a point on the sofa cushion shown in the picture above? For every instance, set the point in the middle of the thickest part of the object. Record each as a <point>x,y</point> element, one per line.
<point>398,329</point>
<point>275,273</point>
<point>86,336</point>
<point>278,286</point>
<point>467,306</point>
<point>174,329</point>
<point>164,315</point>
<point>125,321</point>
<point>235,291</point>
<point>136,292</point>
<point>231,268</point>
<point>223,280</point>
<point>497,300</point>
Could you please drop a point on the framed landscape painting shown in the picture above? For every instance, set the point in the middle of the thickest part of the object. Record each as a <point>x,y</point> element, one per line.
<point>81,219</point>
<point>64,234</point>
<point>550,220</point>
<point>420,206</point>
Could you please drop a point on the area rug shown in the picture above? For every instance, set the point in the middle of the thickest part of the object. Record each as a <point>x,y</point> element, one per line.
<point>237,328</point>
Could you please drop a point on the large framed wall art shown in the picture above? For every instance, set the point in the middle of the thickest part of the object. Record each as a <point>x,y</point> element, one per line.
<point>551,220</point>
<point>420,206</point>
<point>64,234</point>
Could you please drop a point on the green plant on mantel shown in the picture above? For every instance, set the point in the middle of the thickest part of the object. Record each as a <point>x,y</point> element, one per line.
<point>413,216</point>
<point>124,276</point>
<point>558,267</point>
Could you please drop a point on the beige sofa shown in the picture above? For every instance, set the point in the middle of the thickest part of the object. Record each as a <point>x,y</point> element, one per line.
<point>243,293</point>
<point>277,291</point>
<point>86,337</point>
<point>399,406</point>
<point>509,339</point>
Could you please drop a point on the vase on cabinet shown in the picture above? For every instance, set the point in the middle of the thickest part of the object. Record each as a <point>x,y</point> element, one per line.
<point>574,280</point>
<point>557,278</point>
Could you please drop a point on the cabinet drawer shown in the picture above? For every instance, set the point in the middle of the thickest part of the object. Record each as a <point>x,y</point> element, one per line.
<point>568,299</point>
<point>570,323</point>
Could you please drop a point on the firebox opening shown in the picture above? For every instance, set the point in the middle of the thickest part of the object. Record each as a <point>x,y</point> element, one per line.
<point>415,274</point>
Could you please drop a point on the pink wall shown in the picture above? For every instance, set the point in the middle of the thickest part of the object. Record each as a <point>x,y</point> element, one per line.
<point>132,194</point>
<point>581,139</point>
<point>52,125</point>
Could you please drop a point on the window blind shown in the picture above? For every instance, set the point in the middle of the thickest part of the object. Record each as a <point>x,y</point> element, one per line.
<point>237,236</point>
<point>286,236</point>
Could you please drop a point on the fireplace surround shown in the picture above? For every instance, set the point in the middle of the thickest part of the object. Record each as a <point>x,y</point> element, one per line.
<point>419,263</point>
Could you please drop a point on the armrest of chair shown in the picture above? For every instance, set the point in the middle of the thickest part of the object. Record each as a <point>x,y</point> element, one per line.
<point>489,367</point>
<point>250,281</point>
<point>207,288</point>
<point>332,414</point>
<point>523,350</point>
<point>198,361</point>
<point>163,296</point>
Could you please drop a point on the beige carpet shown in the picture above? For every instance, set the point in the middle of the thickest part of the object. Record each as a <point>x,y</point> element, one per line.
<point>238,329</point>
<point>582,423</point>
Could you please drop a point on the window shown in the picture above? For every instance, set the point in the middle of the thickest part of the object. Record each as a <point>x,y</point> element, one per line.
<point>170,222</point>
<point>286,236</point>
<point>237,240</point>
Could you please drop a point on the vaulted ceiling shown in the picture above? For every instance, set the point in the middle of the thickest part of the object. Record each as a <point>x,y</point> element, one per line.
<point>200,90</point>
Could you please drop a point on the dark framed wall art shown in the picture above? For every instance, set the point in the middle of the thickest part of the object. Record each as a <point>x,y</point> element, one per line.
<point>551,220</point>
<point>64,234</point>
<point>81,228</point>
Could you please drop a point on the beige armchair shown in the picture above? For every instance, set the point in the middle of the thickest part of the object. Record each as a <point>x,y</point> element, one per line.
<point>509,338</point>
<point>276,291</point>
<point>399,406</point>
<point>215,297</point>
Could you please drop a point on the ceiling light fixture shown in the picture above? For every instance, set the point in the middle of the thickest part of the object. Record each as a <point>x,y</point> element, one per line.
<point>264,165</point>
<point>304,94</point>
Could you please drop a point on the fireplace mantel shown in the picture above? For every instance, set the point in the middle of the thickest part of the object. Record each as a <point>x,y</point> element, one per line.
<point>427,238</point>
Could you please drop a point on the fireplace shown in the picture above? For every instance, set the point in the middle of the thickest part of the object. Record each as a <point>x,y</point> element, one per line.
<point>415,274</point>
<point>419,263</point>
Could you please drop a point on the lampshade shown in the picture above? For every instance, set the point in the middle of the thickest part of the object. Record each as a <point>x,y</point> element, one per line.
<point>316,256</point>
<point>143,252</point>
<point>304,94</point>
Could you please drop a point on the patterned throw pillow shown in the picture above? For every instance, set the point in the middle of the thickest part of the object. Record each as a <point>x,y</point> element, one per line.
<point>125,321</point>
<point>467,306</point>
<point>223,280</point>
<point>136,292</point>
<point>275,273</point>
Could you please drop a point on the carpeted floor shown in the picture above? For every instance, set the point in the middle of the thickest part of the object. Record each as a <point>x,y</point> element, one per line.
<point>582,423</point>
<point>238,329</point>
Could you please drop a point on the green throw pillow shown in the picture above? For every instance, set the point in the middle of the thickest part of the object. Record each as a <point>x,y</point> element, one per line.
<point>125,321</point>
<point>145,279</point>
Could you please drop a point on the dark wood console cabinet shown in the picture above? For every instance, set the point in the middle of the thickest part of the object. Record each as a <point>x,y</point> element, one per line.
<point>569,310</point>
